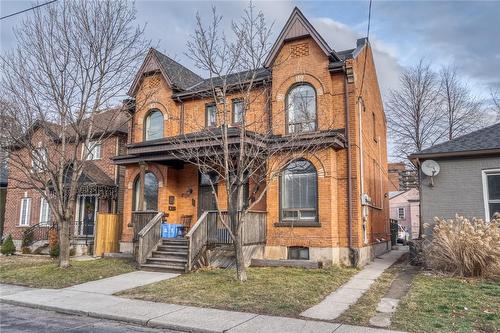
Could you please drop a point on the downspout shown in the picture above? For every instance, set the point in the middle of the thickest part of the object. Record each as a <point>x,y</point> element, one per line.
<point>181,121</point>
<point>349,168</point>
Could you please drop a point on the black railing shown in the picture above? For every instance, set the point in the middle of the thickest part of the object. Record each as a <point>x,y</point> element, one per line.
<point>35,233</point>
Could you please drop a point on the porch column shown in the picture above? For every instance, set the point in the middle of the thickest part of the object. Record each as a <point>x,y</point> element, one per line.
<point>142,166</point>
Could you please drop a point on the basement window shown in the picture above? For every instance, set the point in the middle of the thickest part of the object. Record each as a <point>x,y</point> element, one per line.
<point>298,253</point>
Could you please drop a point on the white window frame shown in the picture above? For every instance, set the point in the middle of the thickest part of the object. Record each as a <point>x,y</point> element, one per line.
<point>486,199</point>
<point>38,164</point>
<point>44,219</point>
<point>93,147</point>
<point>25,201</point>
<point>399,214</point>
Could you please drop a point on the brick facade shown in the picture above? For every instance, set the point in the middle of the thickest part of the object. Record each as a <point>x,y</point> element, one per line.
<point>17,190</point>
<point>299,60</point>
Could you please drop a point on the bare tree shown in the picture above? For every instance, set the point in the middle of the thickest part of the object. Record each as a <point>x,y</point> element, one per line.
<point>72,60</point>
<point>462,110</point>
<point>495,98</point>
<point>238,149</point>
<point>414,111</point>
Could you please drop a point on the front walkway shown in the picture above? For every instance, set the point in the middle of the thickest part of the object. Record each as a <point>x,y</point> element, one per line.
<point>95,299</point>
<point>340,300</point>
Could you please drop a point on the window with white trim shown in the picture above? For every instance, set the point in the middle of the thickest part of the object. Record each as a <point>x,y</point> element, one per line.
<point>401,213</point>
<point>44,212</point>
<point>39,160</point>
<point>94,151</point>
<point>238,109</point>
<point>299,192</point>
<point>24,215</point>
<point>491,190</point>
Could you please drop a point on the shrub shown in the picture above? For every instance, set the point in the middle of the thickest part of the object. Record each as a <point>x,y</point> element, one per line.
<point>8,246</point>
<point>465,248</point>
<point>27,238</point>
<point>54,251</point>
<point>25,250</point>
<point>72,252</point>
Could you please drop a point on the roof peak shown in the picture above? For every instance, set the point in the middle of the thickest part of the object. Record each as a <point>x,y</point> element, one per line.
<point>298,26</point>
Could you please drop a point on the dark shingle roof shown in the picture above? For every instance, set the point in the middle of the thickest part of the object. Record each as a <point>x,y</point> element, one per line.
<point>179,75</point>
<point>231,79</point>
<point>484,139</point>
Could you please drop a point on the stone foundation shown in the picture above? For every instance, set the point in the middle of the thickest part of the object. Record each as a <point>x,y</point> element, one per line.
<point>331,255</point>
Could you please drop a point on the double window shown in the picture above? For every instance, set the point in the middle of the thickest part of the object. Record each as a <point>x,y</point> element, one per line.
<point>153,126</point>
<point>25,213</point>
<point>301,109</point>
<point>211,115</point>
<point>299,192</point>
<point>491,190</point>
<point>150,196</point>
<point>93,151</point>
<point>44,212</point>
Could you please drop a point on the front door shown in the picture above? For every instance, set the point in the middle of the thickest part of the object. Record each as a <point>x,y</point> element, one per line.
<point>206,195</point>
<point>87,208</point>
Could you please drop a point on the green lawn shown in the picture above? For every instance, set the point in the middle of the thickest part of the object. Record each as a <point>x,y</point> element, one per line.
<point>275,291</point>
<point>445,304</point>
<point>44,273</point>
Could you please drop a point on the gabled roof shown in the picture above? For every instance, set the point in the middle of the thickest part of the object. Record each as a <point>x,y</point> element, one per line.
<point>177,76</point>
<point>298,26</point>
<point>485,140</point>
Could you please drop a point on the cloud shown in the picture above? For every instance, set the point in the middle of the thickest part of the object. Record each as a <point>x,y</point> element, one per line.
<point>340,37</point>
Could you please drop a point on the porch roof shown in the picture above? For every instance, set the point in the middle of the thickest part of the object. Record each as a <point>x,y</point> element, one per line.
<point>169,149</point>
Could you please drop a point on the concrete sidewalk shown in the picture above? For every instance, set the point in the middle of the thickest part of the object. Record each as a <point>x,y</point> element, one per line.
<point>161,315</point>
<point>348,294</point>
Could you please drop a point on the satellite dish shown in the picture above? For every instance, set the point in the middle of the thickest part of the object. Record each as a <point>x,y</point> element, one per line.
<point>430,168</point>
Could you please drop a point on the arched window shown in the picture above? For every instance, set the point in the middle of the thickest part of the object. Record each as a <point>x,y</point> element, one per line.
<point>153,126</point>
<point>299,192</point>
<point>301,108</point>
<point>150,198</point>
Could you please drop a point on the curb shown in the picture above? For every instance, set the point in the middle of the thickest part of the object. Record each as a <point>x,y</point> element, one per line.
<point>145,323</point>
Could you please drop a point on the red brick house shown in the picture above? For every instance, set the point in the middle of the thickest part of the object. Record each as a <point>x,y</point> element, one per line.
<point>100,186</point>
<point>341,212</point>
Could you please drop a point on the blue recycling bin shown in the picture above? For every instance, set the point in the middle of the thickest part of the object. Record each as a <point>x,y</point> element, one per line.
<point>170,230</point>
<point>166,230</point>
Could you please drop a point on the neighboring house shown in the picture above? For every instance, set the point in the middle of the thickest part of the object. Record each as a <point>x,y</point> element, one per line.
<point>404,208</point>
<point>401,178</point>
<point>468,182</point>
<point>316,226</point>
<point>100,188</point>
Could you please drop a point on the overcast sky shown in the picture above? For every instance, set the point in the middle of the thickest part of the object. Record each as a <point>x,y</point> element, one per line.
<point>459,32</point>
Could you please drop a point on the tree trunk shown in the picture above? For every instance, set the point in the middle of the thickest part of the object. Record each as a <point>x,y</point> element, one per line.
<point>241,272</point>
<point>64,244</point>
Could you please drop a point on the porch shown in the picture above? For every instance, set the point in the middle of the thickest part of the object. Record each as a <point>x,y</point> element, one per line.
<point>185,253</point>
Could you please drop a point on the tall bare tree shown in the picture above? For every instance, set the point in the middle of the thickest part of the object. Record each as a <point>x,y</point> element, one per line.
<point>463,112</point>
<point>238,148</point>
<point>72,60</point>
<point>495,98</point>
<point>414,111</point>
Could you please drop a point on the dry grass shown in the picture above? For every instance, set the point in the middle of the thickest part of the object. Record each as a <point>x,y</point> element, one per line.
<point>274,291</point>
<point>465,248</point>
<point>366,306</point>
<point>44,273</point>
<point>449,305</point>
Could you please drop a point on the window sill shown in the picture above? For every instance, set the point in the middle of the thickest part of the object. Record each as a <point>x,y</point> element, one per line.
<point>298,224</point>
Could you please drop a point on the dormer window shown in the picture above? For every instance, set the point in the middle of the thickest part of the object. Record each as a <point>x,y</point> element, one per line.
<point>153,126</point>
<point>301,109</point>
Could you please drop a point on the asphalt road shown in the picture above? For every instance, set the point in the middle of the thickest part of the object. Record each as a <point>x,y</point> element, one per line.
<point>16,319</point>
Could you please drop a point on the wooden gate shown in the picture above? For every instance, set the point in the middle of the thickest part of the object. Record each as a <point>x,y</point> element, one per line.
<point>107,234</point>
